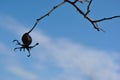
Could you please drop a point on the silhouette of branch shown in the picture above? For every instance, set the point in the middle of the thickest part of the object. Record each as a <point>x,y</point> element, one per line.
<point>103,19</point>
<point>85,14</point>
<point>93,22</point>
<point>88,8</point>
<point>47,14</point>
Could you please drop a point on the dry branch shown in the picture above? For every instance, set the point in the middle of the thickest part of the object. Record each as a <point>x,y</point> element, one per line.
<point>85,14</point>
<point>103,19</point>
<point>93,22</point>
<point>88,8</point>
<point>47,14</point>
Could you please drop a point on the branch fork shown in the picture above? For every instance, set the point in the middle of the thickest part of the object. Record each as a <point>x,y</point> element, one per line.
<point>85,14</point>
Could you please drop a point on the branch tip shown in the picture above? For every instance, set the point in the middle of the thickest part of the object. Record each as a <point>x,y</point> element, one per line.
<point>84,14</point>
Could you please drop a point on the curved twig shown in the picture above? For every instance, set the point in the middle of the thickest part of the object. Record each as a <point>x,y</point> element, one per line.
<point>85,14</point>
<point>47,14</point>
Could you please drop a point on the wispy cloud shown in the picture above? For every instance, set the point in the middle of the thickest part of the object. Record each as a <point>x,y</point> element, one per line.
<point>78,62</point>
<point>20,72</point>
<point>2,47</point>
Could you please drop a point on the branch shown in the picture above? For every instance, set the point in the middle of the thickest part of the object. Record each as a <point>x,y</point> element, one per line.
<point>93,22</point>
<point>47,14</point>
<point>79,10</point>
<point>88,8</point>
<point>84,14</point>
<point>103,19</point>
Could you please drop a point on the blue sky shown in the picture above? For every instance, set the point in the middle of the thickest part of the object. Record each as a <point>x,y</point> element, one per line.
<point>70,48</point>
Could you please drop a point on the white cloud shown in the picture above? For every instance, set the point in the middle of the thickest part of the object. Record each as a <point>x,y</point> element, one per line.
<point>77,61</point>
<point>18,71</point>
<point>9,23</point>
<point>2,47</point>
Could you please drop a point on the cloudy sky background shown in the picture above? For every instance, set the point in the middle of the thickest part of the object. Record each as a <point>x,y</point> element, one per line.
<point>70,49</point>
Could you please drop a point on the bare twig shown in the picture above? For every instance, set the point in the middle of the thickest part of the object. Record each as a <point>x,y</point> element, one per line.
<point>37,20</point>
<point>84,14</point>
<point>88,8</point>
<point>103,19</point>
<point>93,22</point>
<point>78,9</point>
<point>75,1</point>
